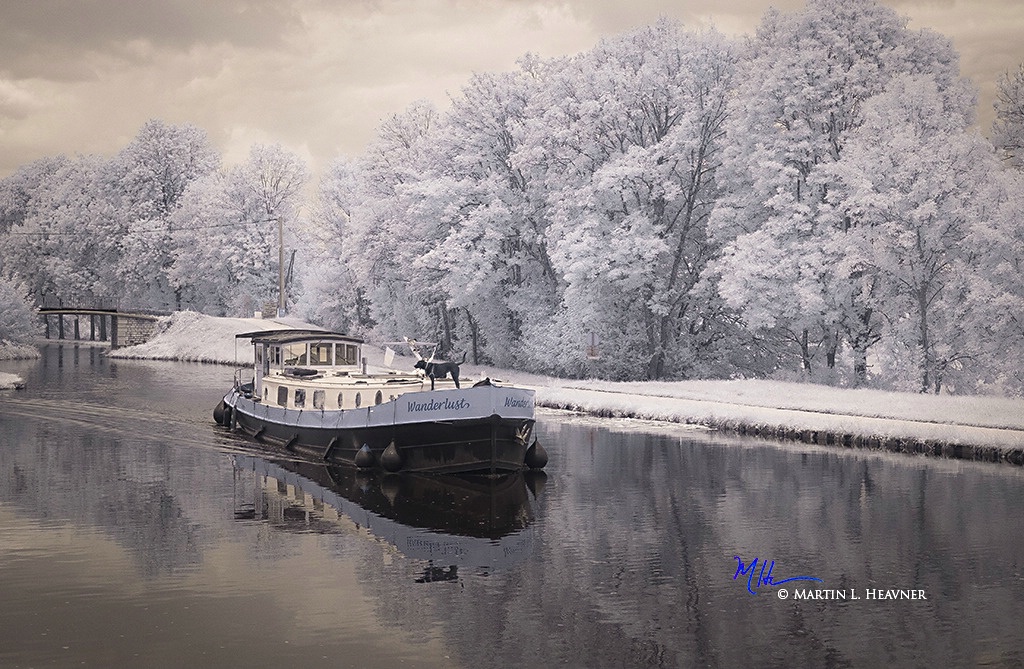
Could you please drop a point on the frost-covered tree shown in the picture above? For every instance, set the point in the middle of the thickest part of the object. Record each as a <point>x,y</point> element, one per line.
<point>805,81</point>
<point>227,227</point>
<point>17,192</point>
<point>331,294</point>
<point>387,236</point>
<point>911,185</point>
<point>89,230</point>
<point>18,321</point>
<point>272,181</point>
<point>994,304</point>
<point>148,178</point>
<point>60,240</point>
<point>23,197</point>
<point>625,142</point>
<point>206,229</point>
<point>492,257</point>
<point>1008,129</point>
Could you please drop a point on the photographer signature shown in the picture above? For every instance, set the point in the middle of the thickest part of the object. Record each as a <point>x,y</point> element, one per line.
<point>764,577</point>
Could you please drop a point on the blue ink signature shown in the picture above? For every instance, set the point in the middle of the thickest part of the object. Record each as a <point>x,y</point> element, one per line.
<point>764,577</point>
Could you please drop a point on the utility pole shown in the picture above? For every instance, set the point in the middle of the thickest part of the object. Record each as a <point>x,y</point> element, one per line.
<point>281,307</point>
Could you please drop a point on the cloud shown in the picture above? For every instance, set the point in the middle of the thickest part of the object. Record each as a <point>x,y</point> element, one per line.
<point>340,74</point>
<point>51,38</point>
<point>318,76</point>
<point>16,102</point>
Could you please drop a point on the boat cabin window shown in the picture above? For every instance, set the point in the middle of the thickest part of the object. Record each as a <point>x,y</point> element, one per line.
<point>341,403</point>
<point>282,396</point>
<point>379,398</point>
<point>295,354</point>
<point>359,400</point>
<point>346,354</point>
<point>262,355</point>
<point>300,398</point>
<point>306,353</point>
<point>318,399</point>
<point>320,354</point>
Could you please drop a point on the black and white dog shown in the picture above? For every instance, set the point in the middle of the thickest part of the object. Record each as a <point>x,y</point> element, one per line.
<point>441,369</point>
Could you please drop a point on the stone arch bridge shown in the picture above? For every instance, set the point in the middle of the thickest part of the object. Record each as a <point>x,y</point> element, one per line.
<point>119,328</point>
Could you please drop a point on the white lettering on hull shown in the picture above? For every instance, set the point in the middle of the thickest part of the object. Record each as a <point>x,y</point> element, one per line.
<point>444,405</point>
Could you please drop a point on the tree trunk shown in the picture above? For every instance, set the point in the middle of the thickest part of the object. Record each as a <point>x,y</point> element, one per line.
<point>805,352</point>
<point>656,365</point>
<point>860,364</point>
<point>861,340</point>
<point>925,340</point>
<point>446,329</point>
<point>474,333</point>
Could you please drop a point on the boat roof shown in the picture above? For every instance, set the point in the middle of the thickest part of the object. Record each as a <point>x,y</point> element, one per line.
<point>295,335</point>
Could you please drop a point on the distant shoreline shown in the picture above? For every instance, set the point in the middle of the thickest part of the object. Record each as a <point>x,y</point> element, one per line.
<point>988,429</point>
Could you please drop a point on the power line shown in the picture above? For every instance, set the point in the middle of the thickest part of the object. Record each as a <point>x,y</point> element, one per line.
<point>140,231</point>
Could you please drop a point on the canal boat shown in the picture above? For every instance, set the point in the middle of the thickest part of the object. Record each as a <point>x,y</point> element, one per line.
<point>311,392</point>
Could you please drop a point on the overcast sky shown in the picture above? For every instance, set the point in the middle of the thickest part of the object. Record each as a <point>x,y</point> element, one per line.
<point>318,76</point>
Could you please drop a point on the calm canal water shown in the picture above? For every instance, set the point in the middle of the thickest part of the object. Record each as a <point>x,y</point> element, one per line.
<point>134,532</point>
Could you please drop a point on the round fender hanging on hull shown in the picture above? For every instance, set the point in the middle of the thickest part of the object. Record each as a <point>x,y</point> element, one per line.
<point>364,458</point>
<point>391,459</point>
<point>222,414</point>
<point>536,456</point>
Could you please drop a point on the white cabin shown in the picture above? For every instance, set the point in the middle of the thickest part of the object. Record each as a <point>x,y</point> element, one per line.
<point>322,371</point>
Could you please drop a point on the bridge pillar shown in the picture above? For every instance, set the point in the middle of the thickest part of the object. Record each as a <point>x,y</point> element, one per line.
<point>133,330</point>
<point>77,331</point>
<point>92,327</point>
<point>46,324</point>
<point>60,326</point>
<point>113,332</point>
<point>103,328</point>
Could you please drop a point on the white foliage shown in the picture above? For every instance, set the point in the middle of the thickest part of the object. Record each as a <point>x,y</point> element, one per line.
<point>808,79</point>
<point>1008,128</point>
<point>18,322</point>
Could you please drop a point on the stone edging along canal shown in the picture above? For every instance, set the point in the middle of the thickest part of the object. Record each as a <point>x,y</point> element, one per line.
<point>963,442</point>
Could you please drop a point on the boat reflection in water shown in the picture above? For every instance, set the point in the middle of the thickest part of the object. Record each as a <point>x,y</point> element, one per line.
<point>456,522</point>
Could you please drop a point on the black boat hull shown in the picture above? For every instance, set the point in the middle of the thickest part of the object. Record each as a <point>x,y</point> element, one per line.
<point>489,444</point>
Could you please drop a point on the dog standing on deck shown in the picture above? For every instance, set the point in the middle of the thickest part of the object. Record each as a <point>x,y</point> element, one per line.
<point>440,369</point>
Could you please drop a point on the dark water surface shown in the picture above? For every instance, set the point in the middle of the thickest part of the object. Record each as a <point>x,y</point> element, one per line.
<point>134,532</point>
